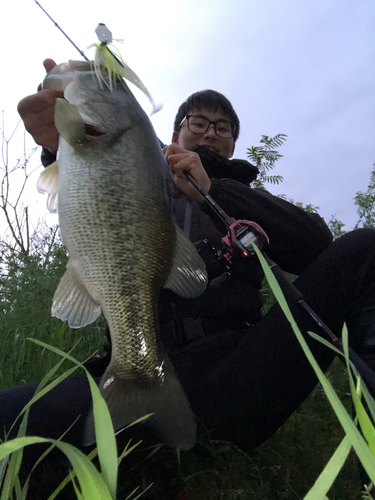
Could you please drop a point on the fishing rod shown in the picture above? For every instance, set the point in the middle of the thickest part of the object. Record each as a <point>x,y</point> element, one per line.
<point>103,33</point>
<point>240,239</point>
<point>63,32</point>
<point>242,234</point>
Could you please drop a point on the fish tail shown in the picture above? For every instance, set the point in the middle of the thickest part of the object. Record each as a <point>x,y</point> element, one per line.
<point>128,400</point>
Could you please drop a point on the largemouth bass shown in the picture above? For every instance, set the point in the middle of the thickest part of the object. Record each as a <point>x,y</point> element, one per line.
<point>114,205</point>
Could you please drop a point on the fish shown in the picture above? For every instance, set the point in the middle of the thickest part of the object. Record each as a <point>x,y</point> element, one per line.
<point>112,190</point>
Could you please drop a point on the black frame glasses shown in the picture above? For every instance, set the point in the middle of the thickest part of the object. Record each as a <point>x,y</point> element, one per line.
<point>225,135</point>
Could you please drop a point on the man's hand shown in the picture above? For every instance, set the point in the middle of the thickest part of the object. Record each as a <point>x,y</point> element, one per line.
<point>181,160</point>
<point>37,113</point>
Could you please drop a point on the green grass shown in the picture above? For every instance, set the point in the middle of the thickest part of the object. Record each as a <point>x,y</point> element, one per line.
<point>89,482</point>
<point>284,467</point>
<point>27,285</point>
<point>308,457</point>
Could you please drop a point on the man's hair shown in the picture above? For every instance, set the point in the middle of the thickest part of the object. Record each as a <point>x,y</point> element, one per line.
<point>212,100</point>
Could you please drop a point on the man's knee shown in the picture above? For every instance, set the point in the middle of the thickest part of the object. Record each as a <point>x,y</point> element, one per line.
<point>358,238</point>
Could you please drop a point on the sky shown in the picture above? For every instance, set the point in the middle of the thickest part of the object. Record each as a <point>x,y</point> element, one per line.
<point>301,68</point>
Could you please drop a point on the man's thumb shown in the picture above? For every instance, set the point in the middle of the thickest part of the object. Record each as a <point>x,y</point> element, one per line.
<point>49,64</point>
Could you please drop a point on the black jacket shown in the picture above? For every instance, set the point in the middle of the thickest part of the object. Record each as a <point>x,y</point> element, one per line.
<point>230,301</point>
<point>233,300</point>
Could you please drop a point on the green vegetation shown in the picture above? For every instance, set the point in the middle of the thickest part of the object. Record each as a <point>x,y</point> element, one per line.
<point>283,468</point>
<point>264,157</point>
<point>27,285</point>
<point>87,481</point>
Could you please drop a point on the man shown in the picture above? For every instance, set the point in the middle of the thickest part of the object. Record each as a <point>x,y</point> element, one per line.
<point>243,374</point>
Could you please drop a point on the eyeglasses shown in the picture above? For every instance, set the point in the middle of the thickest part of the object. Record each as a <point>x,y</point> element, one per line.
<point>199,124</point>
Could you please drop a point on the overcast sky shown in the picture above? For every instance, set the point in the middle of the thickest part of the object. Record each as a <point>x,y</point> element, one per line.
<point>302,68</point>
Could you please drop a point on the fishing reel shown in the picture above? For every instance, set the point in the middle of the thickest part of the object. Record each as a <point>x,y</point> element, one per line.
<point>235,246</point>
<point>241,236</point>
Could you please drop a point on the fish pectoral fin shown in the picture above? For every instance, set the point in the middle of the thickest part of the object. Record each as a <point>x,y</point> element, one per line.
<point>52,203</point>
<point>188,275</point>
<point>69,123</point>
<point>72,302</point>
<point>163,401</point>
<point>48,183</point>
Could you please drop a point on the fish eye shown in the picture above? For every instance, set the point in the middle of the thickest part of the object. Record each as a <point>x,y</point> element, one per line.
<point>92,131</point>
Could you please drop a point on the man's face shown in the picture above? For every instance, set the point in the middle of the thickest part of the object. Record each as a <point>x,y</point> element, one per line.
<point>187,140</point>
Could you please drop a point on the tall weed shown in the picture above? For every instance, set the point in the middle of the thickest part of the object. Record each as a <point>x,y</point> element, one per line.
<point>27,285</point>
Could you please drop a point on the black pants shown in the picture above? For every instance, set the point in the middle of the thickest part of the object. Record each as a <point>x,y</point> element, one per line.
<point>242,385</point>
<point>245,386</point>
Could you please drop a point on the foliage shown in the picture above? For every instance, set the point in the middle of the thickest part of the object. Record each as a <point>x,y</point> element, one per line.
<point>265,157</point>
<point>15,212</point>
<point>308,208</point>
<point>31,265</point>
<point>88,482</point>
<point>336,227</point>
<point>27,285</point>
<point>366,204</point>
<point>363,444</point>
<point>365,201</point>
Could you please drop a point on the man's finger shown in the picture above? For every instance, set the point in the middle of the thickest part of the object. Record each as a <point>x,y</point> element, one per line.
<point>49,64</point>
<point>35,103</point>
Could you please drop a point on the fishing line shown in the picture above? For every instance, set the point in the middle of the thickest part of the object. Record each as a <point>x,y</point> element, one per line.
<point>63,32</point>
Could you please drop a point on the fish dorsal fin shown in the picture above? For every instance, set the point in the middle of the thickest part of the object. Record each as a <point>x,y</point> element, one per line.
<point>69,123</point>
<point>48,182</point>
<point>72,302</point>
<point>188,276</point>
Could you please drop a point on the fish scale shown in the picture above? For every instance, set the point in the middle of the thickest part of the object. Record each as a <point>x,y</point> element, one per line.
<point>116,220</point>
<point>117,270</point>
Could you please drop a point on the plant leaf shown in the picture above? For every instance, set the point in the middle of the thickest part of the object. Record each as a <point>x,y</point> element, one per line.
<point>105,436</point>
<point>356,439</point>
<point>92,485</point>
<point>330,472</point>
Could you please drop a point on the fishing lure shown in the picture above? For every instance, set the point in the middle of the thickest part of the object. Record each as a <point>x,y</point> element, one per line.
<point>107,59</point>
<point>114,65</point>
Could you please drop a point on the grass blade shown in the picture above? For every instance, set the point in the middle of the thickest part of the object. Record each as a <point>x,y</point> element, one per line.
<point>363,418</point>
<point>356,439</point>
<point>130,497</point>
<point>11,477</point>
<point>328,475</point>
<point>70,476</point>
<point>368,397</point>
<point>127,450</point>
<point>105,436</point>
<point>91,482</point>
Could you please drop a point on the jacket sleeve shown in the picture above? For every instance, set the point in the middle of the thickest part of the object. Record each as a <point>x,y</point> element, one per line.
<point>47,157</point>
<point>296,237</point>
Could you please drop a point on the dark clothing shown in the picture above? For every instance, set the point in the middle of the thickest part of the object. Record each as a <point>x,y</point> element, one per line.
<point>296,239</point>
<point>244,385</point>
<point>242,381</point>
